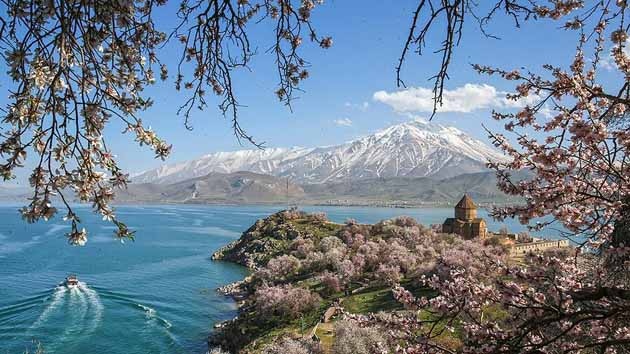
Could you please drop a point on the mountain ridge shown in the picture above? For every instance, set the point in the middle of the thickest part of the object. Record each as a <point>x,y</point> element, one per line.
<point>251,188</point>
<point>410,149</point>
<point>238,187</point>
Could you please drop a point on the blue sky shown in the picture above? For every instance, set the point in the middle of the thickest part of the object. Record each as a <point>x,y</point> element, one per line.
<point>339,100</point>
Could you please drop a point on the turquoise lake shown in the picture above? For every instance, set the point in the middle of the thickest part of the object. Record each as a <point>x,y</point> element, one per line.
<point>154,295</point>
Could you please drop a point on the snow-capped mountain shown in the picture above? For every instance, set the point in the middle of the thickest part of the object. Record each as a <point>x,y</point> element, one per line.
<point>413,149</point>
<point>259,161</point>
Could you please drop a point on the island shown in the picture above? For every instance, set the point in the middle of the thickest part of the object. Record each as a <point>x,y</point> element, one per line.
<point>312,278</point>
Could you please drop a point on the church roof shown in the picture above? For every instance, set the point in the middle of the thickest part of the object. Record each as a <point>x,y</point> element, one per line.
<point>466,203</point>
<point>449,221</point>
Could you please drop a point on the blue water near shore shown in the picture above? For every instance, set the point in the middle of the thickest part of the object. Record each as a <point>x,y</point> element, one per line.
<point>154,295</point>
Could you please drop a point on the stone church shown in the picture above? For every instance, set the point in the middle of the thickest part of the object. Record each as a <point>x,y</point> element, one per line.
<point>466,223</point>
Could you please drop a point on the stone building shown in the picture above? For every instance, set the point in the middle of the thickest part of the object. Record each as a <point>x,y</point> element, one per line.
<point>537,246</point>
<point>466,223</point>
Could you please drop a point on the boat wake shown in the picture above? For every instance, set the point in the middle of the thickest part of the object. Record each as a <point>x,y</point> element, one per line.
<point>154,320</point>
<point>82,304</point>
<point>152,316</point>
<point>75,313</point>
<point>77,304</point>
<point>57,299</point>
<point>95,305</point>
<point>8,313</point>
<point>81,310</point>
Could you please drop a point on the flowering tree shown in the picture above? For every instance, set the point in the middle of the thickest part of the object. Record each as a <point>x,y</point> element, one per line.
<point>293,346</point>
<point>350,338</point>
<point>574,135</point>
<point>550,306</point>
<point>78,65</point>
<point>286,301</point>
<point>279,268</point>
<point>331,282</point>
<point>575,138</point>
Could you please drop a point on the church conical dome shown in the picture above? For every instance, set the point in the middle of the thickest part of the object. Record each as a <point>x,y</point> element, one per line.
<point>466,203</point>
<point>466,208</point>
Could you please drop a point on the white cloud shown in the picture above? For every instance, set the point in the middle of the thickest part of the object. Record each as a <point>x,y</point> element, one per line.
<point>363,106</point>
<point>504,102</point>
<point>546,112</point>
<point>420,119</point>
<point>467,98</point>
<point>343,122</point>
<point>607,63</point>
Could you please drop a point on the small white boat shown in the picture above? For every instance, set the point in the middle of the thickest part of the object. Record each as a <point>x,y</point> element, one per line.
<point>71,281</point>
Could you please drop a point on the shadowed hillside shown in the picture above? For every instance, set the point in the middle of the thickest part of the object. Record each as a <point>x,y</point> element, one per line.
<point>248,187</point>
<point>238,187</point>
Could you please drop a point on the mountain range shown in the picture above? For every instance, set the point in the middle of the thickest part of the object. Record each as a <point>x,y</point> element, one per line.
<point>410,149</point>
<point>410,163</point>
<point>249,187</point>
<point>237,187</point>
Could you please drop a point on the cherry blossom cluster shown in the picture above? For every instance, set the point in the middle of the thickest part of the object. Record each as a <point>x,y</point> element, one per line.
<point>294,346</point>
<point>286,301</point>
<point>552,304</point>
<point>575,137</point>
<point>75,66</point>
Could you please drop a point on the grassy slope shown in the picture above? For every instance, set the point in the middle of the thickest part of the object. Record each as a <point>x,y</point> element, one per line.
<point>370,300</point>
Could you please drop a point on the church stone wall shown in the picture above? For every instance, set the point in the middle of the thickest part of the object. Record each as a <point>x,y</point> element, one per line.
<point>524,248</point>
<point>465,213</point>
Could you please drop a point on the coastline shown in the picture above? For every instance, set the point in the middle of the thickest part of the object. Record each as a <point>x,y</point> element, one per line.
<point>393,205</point>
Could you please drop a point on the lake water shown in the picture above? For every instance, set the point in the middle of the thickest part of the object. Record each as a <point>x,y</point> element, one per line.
<point>154,295</point>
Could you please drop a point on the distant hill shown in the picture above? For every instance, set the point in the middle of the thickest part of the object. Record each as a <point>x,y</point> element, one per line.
<point>247,187</point>
<point>255,188</point>
<point>239,187</point>
<point>410,149</point>
<point>13,193</point>
<point>480,186</point>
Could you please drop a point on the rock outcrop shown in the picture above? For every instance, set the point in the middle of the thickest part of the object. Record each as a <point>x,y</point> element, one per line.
<point>264,240</point>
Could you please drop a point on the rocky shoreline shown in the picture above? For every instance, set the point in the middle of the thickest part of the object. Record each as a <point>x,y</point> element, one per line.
<point>266,239</point>
<point>235,290</point>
